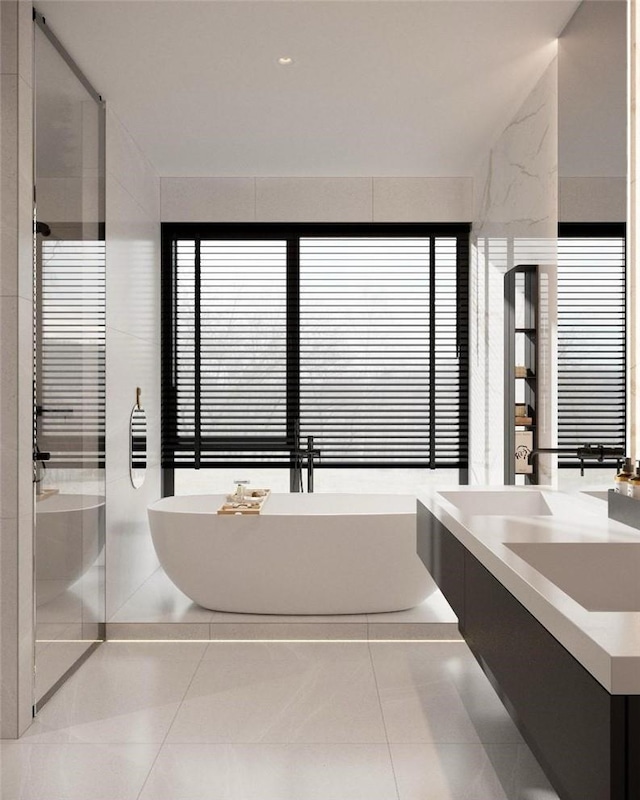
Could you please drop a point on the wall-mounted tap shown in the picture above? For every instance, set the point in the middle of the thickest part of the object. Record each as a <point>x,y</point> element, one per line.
<point>600,452</point>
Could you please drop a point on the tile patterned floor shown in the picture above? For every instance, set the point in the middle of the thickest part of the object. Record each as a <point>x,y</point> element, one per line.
<point>273,721</point>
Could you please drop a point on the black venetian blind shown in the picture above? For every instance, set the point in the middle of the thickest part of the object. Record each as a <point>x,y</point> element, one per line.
<point>359,339</point>
<point>71,338</point>
<point>591,336</point>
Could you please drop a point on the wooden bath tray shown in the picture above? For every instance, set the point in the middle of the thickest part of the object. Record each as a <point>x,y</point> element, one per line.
<point>232,509</point>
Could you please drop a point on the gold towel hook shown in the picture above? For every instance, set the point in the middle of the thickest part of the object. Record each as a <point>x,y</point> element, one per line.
<point>138,393</point>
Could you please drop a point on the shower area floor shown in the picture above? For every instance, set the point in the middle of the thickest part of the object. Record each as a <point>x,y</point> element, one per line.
<point>159,610</point>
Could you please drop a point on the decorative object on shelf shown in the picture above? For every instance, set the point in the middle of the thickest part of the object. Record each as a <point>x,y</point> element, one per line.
<point>520,371</point>
<point>138,442</point>
<point>523,449</point>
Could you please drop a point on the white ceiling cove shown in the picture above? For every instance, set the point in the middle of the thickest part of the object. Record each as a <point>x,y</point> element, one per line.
<point>375,88</point>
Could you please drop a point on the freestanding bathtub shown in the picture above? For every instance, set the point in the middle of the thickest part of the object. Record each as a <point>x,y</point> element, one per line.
<point>304,554</point>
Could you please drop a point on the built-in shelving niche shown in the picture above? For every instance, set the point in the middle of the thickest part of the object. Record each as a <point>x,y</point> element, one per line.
<point>521,372</point>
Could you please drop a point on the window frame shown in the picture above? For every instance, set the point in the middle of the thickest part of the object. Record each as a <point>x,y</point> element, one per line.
<point>293,232</point>
<point>598,230</point>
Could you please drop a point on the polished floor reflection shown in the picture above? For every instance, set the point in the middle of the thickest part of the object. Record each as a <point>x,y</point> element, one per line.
<point>274,721</point>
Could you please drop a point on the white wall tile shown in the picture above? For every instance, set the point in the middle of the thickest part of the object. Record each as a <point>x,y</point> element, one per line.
<point>422,199</point>
<point>314,200</point>
<point>131,362</point>
<point>208,199</point>
<point>25,652</point>
<point>25,41</point>
<point>129,166</point>
<point>9,676</point>
<point>133,265</point>
<point>592,199</point>
<point>9,37</point>
<point>9,183</point>
<point>25,191</point>
<point>9,406</point>
<point>16,358</point>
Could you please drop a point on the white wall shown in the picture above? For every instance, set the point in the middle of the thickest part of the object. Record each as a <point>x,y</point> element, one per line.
<point>133,356</point>
<point>592,116</point>
<point>515,222</point>
<point>317,199</point>
<point>16,358</point>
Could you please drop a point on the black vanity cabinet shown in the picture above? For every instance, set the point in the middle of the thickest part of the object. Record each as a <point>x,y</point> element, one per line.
<point>586,740</point>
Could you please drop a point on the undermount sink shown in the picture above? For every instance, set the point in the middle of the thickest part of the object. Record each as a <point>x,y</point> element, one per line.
<point>499,503</point>
<point>599,576</point>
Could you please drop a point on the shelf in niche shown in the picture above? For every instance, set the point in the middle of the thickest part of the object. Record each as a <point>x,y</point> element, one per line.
<point>525,330</point>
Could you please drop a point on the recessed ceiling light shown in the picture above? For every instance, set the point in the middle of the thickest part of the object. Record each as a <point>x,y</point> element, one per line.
<point>285,60</point>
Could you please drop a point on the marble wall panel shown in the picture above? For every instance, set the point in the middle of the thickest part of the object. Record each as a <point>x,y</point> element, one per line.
<point>515,222</point>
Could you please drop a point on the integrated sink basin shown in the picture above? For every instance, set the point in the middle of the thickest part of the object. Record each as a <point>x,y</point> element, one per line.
<point>499,503</point>
<point>599,576</point>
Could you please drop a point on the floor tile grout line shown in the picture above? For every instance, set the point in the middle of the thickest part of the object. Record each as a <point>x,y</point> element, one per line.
<point>173,719</point>
<point>384,721</point>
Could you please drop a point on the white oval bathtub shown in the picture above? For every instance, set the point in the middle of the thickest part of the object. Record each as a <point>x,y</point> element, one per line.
<point>68,539</point>
<point>304,554</point>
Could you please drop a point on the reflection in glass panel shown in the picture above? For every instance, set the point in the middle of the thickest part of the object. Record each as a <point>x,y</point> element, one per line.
<point>69,368</point>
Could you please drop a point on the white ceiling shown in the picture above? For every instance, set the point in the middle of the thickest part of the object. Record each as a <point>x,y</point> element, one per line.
<point>376,88</point>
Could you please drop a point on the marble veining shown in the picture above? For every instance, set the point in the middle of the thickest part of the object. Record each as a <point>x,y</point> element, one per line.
<point>515,223</point>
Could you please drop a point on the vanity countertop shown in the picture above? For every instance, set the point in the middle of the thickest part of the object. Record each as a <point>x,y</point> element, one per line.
<point>495,522</point>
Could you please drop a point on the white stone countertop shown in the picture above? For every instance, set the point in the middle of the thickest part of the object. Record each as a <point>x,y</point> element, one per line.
<point>606,643</point>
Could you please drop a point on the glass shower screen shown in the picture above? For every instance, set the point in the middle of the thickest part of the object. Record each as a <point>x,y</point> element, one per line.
<point>69,457</point>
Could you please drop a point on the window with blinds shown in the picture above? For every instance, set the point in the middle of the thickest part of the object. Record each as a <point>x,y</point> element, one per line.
<point>230,346</point>
<point>591,336</point>
<point>71,329</point>
<point>379,368</point>
<point>356,339</point>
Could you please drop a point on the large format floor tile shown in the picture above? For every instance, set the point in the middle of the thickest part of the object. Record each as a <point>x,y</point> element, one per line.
<point>468,772</point>
<point>271,772</point>
<point>73,771</point>
<point>160,600</point>
<point>273,721</point>
<point>436,692</point>
<point>285,693</point>
<point>123,693</point>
